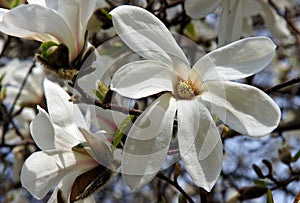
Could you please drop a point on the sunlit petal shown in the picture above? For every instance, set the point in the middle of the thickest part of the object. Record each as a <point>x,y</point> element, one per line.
<point>199,143</point>
<point>230,21</point>
<point>248,110</point>
<point>146,35</point>
<point>42,170</point>
<point>18,22</point>
<point>42,130</point>
<point>237,60</point>
<point>61,110</point>
<point>148,142</point>
<point>143,78</point>
<point>200,8</point>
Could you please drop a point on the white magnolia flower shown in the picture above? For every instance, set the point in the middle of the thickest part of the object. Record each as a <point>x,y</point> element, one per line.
<point>60,21</point>
<point>17,196</point>
<point>194,93</point>
<point>14,75</point>
<point>57,133</point>
<point>232,14</point>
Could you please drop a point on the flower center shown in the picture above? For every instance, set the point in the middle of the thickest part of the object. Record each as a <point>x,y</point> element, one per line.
<point>185,89</point>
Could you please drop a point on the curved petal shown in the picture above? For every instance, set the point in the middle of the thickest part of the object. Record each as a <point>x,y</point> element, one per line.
<point>62,111</point>
<point>106,119</point>
<point>148,142</point>
<point>42,130</point>
<point>88,82</point>
<point>143,78</point>
<point>274,22</point>
<point>65,186</point>
<point>20,32</point>
<point>237,60</point>
<point>18,22</point>
<point>42,170</point>
<point>101,150</point>
<point>248,110</point>
<point>87,9</point>
<point>69,10</point>
<point>66,138</point>
<point>200,8</point>
<point>76,14</point>
<point>146,35</point>
<point>52,4</point>
<point>230,21</point>
<point>199,142</point>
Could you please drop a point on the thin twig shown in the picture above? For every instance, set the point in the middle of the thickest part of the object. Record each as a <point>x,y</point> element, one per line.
<point>9,114</point>
<point>21,88</point>
<point>283,85</point>
<point>175,184</point>
<point>85,98</point>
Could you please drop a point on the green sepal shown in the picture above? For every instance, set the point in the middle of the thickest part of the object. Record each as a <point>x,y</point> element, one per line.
<point>182,199</point>
<point>80,148</point>
<point>106,13</point>
<point>296,156</point>
<point>46,46</point>
<point>269,196</point>
<point>191,31</point>
<point>98,94</point>
<point>260,183</point>
<point>14,3</point>
<point>163,199</point>
<point>2,77</point>
<point>2,93</point>
<point>125,125</point>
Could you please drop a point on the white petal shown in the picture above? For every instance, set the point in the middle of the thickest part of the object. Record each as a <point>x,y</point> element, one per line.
<point>88,82</point>
<point>148,142</point>
<point>274,22</point>
<point>143,78</point>
<point>251,8</point>
<point>199,142</point>
<point>200,8</point>
<point>101,150</point>
<point>42,170</point>
<point>146,35</point>
<point>236,60</point>
<point>62,111</point>
<point>18,22</point>
<point>66,138</point>
<point>69,10</point>
<point>42,130</point>
<point>76,14</point>
<point>87,9</point>
<point>248,110</point>
<point>52,4</point>
<point>107,120</point>
<point>231,21</point>
<point>65,186</point>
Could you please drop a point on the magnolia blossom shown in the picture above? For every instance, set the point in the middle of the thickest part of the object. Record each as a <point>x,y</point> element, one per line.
<point>16,196</point>
<point>14,75</point>
<point>58,134</point>
<point>232,16</point>
<point>191,95</point>
<point>59,21</point>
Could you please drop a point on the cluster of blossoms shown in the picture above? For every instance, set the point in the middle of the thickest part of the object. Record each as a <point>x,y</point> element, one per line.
<point>81,149</point>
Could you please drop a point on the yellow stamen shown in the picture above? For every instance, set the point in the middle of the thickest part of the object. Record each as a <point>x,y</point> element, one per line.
<point>185,89</point>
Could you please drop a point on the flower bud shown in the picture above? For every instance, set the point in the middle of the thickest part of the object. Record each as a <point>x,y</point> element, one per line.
<point>285,155</point>
<point>258,171</point>
<point>252,192</point>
